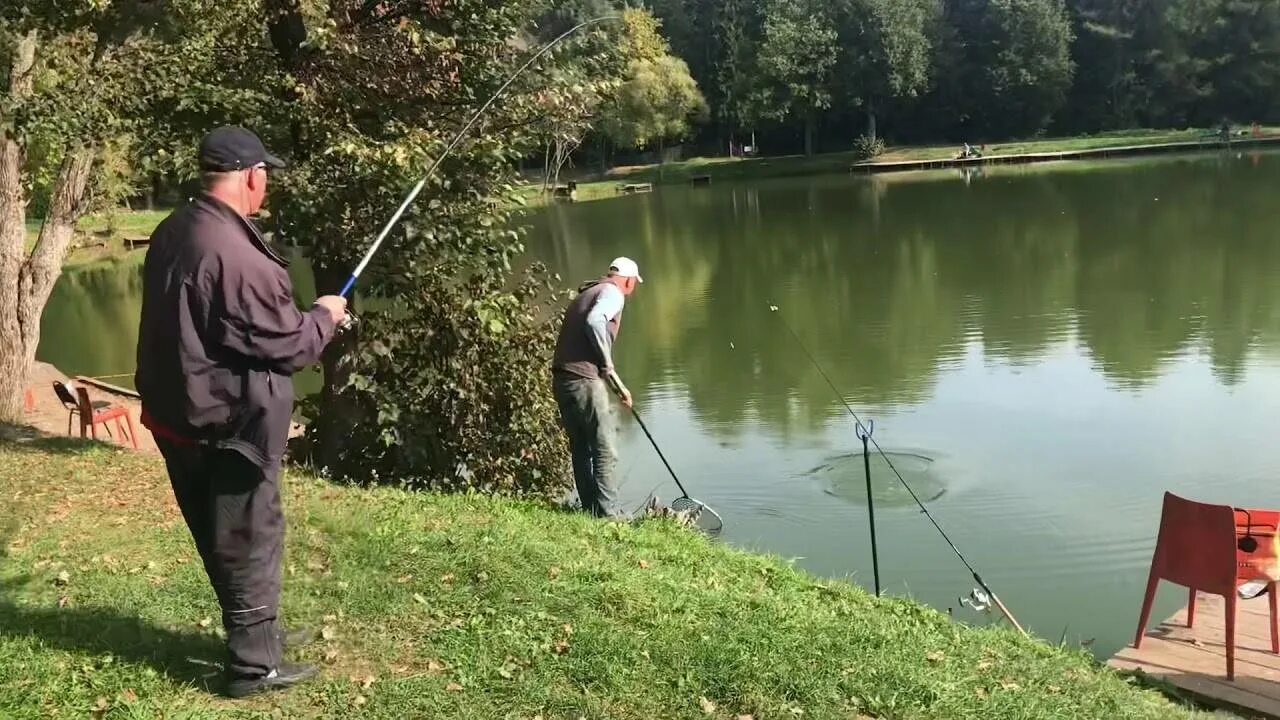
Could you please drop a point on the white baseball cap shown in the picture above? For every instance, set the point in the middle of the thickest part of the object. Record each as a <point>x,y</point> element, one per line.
<point>626,267</point>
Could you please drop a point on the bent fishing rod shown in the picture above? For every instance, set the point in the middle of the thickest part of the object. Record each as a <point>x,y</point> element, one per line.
<point>453,144</point>
<point>865,433</point>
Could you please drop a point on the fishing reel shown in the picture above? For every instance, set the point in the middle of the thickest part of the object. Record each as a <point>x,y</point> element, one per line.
<point>349,324</point>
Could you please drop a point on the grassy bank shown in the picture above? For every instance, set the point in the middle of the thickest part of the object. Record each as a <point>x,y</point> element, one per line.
<point>736,169</point>
<point>103,235</point>
<point>470,607</point>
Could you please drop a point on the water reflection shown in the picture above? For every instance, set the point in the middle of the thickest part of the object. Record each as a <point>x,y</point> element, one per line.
<point>889,278</point>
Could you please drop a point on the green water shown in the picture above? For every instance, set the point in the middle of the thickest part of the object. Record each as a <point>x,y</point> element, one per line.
<point>1048,348</point>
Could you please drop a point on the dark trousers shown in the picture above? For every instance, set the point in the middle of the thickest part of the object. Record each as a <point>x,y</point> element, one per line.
<point>233,510</point>
<point>589,421</point>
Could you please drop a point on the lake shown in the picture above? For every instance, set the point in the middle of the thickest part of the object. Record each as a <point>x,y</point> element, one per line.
<point>1045,349</point>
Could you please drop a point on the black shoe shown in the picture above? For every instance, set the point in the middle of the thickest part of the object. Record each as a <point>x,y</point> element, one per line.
<point>285,676</point>
<point>298,637</point>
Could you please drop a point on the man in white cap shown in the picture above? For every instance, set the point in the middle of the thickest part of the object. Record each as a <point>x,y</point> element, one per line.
<point>583,375</point>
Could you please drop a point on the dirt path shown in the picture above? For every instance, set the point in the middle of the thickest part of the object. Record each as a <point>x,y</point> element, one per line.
<point>50,416</point>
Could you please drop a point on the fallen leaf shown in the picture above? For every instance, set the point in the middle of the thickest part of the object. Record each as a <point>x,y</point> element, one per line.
<point>205,622</point>
<point>984,665</point>
<point>982,693</point>
<point>745,717</point>
<point>1055,689</point>
<point>63,579</point>
<point>446,578</point>
<point>453,687</point>
<point>707,706</point>
<point>1008,685</point>
<point>435,666</point>
<point>568,629</point>
<point>562,647</point>
<point>482,576</point>
<point>505,673</point>
<point>404,579</point>
<point>129,695</point>
<point>328,633</point>
<point>554,572</point>
<point>936,656</point>
<point>101,704</point>
<point>359,701</point>
<point>644,564</point>
<point>797,711</point>
<point>419,597</point>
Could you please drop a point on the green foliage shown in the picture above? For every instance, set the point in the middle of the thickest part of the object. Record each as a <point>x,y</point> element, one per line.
<point>658,101</point>
<point>451,390</point>
<point>448,384</point>
<point>796,60</point>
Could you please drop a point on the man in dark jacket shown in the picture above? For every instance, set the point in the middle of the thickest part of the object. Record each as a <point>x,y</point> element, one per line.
<point>582,366</point>
<point>219,340</point>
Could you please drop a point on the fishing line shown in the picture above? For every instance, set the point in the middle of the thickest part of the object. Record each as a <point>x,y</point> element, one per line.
<point>457,139</point>
<point>864,431</point>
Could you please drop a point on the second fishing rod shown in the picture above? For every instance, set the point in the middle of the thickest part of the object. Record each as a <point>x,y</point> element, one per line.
<point>865,433</point>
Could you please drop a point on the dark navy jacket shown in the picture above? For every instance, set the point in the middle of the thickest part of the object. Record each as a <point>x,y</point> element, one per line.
<point>220,336</point>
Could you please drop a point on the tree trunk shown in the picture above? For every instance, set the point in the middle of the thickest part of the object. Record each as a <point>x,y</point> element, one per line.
<point>810,126</point>
<point>871,124</point>
<point>13,239</point>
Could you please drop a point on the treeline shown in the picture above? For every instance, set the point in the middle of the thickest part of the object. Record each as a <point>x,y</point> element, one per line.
<point>818,74</point>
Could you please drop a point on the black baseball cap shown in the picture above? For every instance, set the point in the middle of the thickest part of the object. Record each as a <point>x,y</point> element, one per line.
<point>233,148</point>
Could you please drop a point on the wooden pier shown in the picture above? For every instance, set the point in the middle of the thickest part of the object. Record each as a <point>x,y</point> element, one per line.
<point>1195,661</point>
<point>1240,143</point>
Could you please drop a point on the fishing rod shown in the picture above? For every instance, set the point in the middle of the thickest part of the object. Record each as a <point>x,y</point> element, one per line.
<point>457,139</point>
<point>867,434</point>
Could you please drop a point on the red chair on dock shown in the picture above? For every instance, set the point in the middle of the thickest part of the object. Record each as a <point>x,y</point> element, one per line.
<point>92,414</point>
<point>1199,547</point>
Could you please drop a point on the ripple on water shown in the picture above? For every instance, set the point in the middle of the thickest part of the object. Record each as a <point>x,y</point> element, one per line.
<point>844,477</point>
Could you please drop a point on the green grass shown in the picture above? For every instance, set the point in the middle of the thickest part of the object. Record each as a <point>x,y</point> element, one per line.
<point>734,169</point>
<point>102,236</point>
<point>472,607</point>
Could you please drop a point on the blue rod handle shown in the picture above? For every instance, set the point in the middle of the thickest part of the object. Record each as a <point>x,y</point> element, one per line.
<point>351,282</point>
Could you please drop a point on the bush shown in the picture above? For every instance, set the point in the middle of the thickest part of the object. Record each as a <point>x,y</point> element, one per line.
<point>866,148</point>
<point>450,390</point>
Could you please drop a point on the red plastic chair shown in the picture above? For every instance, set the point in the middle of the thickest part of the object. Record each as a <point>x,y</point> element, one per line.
<point>1197,548</point>
<point>93,414</point>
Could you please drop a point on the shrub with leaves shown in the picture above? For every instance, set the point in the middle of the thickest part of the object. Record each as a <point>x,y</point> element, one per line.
<point>446,384</point>
<point>866,148</point>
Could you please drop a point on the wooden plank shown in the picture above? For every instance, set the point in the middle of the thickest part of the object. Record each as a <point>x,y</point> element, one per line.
<point>1194,659</point>
<point>114,389</point>
<point>1214,693</point>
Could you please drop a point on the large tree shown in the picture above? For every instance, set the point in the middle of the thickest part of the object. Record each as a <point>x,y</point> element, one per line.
<point>796,60</point>
<point>885,53</point>
<point>658,99</point>
<point>80,77</point>
<point>1004,66</point>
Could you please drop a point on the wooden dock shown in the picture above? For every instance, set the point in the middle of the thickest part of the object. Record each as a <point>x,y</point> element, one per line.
<point>1195,661</point>
<point>881,166</point>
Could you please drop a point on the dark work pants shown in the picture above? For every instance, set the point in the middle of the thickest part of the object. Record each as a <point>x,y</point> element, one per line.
<point>233,510</point>
<point>589,421</point>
